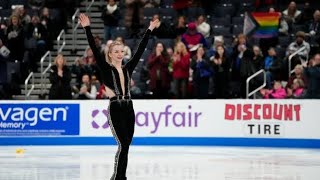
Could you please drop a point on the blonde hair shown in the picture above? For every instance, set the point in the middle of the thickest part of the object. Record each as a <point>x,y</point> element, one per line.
<point>58,57</point>
<point>299,81</point>
<point>184,48</point>
<point>114,43</point>
<point>299,66</point>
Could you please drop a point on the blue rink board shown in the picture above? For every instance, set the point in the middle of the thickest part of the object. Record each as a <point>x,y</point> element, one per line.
<point>163,141</point>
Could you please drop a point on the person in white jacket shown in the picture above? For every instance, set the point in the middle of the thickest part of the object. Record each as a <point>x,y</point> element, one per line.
<point>202,26</point>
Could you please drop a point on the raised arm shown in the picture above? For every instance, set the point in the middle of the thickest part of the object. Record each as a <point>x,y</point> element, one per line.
<point>85,23</point>
<point>142,45</point>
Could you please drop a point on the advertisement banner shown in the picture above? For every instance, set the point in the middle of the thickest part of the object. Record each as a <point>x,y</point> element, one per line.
<point>39,119</point>
<point>210,118</point>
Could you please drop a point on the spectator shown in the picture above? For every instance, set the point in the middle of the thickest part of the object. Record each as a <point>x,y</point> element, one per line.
<point>296,90</point>
<point>313,26</point>
<point>278,92</point>
<point>4,52</point>
<point>88,57</point>
<point>312,74</point>
<point>126,49</point>
<point>180,27</point>
<point>158,63</point>
<point>283,27</point>
<point>152,4</point>
<point>202,71</point>
<point>87,90</point>
<point>221,68</point>
<point>47,23</point>
<point>15,36</point>
<point>273,67</point>
<point>291,14</point>
<point>202,26</point>
<point>257,58</point>
<point>60,77</point>
<point>99,43</point>
<point>163,30</point>
<point>36,4</point>
<point>110,16</point>
<point>300,43</point>
<point>37,36</point>
<point>95,81</point>
<point>181,64</point>
<point>307,13</point>
<point>298,74</point>
<point>134,16</point>
<point>192,38</point>
<point>79,69</point>
<point>246,70</point>
<point>90,63</point>
<point>24,17</point>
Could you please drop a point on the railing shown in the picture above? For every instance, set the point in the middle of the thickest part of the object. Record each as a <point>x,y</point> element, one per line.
<point>44,71</point>
<point>28,92</point>
<point>63,35</point>
<point>74,28</point>
<point>76,25</point>
<point>290,58</point>
<point>257,89</point>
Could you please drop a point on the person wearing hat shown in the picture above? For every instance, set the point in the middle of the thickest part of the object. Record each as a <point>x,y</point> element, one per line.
<point>192,38</point>
<point>298,44</point>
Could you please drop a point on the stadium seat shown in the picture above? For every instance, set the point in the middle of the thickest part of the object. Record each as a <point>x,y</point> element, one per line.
<point>5,13</point>
<point>238,20</point>
<point>167,13</point>
<point>284,41</point>
<point>166,3</point>
<point>220,21</point>
<point>121,31</point>
<point>167,42</point>
<point>149,12</point>
<point>131,43</point>
<point>17,2</point>
<point>194,12</point>
<point>237,29</point>
<point>220,30</point>
<point>3,5</point>
<point>224,10</point>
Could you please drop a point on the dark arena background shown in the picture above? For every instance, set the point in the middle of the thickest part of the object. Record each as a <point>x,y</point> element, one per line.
<point>224,90</point>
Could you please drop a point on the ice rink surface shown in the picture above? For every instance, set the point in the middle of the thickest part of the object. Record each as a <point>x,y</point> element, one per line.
<point>159,163</point>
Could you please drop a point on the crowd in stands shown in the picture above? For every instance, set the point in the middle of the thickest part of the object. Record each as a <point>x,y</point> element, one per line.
<point>199,51</point>
<point>27,31</point>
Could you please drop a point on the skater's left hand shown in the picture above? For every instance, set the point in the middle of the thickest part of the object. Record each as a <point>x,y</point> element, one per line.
<point>154,24</point>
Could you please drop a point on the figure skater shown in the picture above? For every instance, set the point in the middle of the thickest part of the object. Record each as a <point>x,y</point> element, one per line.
<point>116,79</point>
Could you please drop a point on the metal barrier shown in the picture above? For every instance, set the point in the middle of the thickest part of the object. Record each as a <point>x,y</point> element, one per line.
<point>74,28</point>
<point>257,89</point>
<point>290,58</point>
<point>28,92</point>
<point>76,25</point>
<point>63,35</point>
<point>44,71</point>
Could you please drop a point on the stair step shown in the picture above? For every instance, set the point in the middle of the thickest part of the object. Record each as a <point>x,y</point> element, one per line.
<point>69,47</point>
<point>35,92</point>
<point>22,97</point>
<point>37,86</point>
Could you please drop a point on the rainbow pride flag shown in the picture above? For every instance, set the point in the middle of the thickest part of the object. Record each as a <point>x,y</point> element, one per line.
<point>262,24</point>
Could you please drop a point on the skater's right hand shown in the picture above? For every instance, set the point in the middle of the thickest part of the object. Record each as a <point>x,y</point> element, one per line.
<point>84,20</point>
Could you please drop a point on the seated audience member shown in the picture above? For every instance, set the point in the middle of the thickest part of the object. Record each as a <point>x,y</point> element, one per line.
<point>87,89</point>
<point>291,14</point>
<point>202,26</point>
<point>193,38</point>
<point>298,74</point>
<point>296,90</point>
<point>298,44</point>
<point>278,92</point>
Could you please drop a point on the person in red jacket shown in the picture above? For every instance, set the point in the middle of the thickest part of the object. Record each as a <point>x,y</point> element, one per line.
<point>181,64</point>
<point>158,63</point>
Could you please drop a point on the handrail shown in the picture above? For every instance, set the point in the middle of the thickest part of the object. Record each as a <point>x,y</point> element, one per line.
<point>63,34</point>
<point>44,71</point>
<point>88,10</point>
<point>258,88</point>
<point>290,58</point>
<point>28,92</point>
<point>74,28</point>
<point>76,25</point>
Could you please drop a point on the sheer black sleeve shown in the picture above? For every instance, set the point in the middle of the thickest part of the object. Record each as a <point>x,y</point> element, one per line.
<point>136,57</point>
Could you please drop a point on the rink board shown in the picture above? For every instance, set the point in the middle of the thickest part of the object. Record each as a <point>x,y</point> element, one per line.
<point>256,123</point>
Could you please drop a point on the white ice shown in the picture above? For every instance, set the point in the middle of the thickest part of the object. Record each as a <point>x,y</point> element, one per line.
<point>159,163</point>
